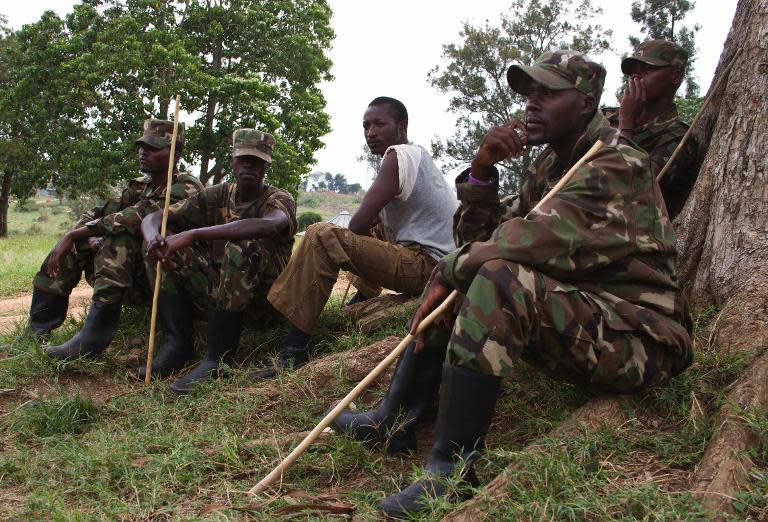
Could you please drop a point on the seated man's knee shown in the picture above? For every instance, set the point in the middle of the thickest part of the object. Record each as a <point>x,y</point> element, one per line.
<point>318,230</point>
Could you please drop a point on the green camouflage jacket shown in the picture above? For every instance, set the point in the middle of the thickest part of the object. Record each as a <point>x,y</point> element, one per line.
<point>659,138</point>
<point>149,200</point>
<point>128,197</point>
<point>606,232</point>
<point>218,205</point>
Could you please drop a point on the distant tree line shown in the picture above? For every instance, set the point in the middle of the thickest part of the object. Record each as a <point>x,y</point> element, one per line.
<point>331,183</point>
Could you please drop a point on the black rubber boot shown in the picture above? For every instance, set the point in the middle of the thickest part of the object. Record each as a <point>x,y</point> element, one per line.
<point>47,311</point>
<point>412,390</point>
<point>176,315</point>
<point>288,357</point>
<point>467,402</point>
<point>98,331</point>
<point>292,353</point>
<point>224,328</point>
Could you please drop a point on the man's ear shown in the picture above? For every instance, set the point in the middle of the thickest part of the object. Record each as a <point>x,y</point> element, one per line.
<point>589,105</point>
<point>678,75</point>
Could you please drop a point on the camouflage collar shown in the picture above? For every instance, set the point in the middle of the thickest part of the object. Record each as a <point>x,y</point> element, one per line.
<point>161,189</point>
<point>660,122</point>
<point>590,136</point>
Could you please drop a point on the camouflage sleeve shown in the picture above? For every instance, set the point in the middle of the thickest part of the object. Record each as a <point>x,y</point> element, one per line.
<point>677,183</point>
<point>588,224</point>
<point>129,219</point>
<point>479,211</point>
<point>89,215</point>
<point>128,197</point>
<point>282,200</point>
<point>191,212</point>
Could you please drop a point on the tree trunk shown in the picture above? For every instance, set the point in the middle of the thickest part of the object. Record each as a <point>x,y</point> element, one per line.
<point>723,240</point>
<point>206,147</point>
<point>5,197</point>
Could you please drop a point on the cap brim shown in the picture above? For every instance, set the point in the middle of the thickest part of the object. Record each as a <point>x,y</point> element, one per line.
<point>150,142</point>
<point>521,77</point>
<point>627,63</point>
<point>253,152</point>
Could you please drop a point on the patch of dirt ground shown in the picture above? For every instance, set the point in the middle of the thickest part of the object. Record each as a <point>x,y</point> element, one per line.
<point>14,310</point>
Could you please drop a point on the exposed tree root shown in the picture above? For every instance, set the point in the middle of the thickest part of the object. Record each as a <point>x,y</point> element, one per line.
<point>609,411</point>
<point>319,376</point>
<point>724,468</point>
<point>372,313</point>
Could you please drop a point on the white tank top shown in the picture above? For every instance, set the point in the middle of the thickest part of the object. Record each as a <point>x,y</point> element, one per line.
<point>422,213</point>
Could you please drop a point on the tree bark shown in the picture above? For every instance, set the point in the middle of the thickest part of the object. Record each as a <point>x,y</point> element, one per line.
<point>5,197</point>
<point>206,147</point>
<point>723,241</point>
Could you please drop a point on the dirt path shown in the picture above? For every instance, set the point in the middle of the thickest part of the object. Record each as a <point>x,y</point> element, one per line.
<point>15,309</point>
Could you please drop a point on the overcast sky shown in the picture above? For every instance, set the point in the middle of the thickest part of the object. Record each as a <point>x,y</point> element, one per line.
<point>386,49</point>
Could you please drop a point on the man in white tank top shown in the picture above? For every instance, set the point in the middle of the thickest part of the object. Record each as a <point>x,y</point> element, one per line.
<point>409,197</point>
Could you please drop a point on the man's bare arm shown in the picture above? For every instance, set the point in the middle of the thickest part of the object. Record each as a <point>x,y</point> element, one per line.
<point>384,189</point>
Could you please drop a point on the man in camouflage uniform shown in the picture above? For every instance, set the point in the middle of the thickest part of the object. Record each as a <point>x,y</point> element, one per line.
<point>231,243</point>
<point>583,287</point>
<point>117,264</point>
<point>648,116</point>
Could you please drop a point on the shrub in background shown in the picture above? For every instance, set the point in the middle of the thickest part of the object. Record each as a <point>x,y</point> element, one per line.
<point>307,218</point>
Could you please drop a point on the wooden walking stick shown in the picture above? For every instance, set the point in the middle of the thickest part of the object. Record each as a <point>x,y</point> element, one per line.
<point>394,354</point>
<point>696,118</point>
<point>158,267</point>
<point>356,391</point>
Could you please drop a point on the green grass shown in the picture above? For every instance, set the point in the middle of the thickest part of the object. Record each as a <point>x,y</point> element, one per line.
<point>328,204</point>
<point>32,232</point>
<point>84,441</point>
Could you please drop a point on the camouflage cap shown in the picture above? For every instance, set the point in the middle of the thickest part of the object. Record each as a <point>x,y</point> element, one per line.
<point>559,70</point>
<point>250,142</point>
<point>659,53</point>
<point>158,133</point>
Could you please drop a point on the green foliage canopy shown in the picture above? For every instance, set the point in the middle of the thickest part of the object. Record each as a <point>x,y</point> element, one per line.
<point>662,20</point>
<point>476,68</point>
<point>76,90</point>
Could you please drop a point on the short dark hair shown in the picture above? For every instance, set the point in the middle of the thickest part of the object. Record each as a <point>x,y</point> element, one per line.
<point>400,112</point>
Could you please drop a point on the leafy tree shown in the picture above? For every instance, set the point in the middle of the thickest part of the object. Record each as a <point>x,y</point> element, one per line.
<point>371,161</point>
<point>476,68</point>
<point>353,188</point>
<point>261,64</point>
<point>77,89</point>
<point>7,40</point>
<point>687,108</point>
<point>662,19</point>
<point>340,183</point>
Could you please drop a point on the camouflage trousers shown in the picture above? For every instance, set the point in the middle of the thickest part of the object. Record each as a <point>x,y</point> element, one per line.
<point>241,281</point>
<point>513,312</point>
<point>115,269</point>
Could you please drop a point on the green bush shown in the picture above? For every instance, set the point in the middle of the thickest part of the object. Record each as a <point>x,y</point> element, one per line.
<point>307,218</point>
<point>25,205</point>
